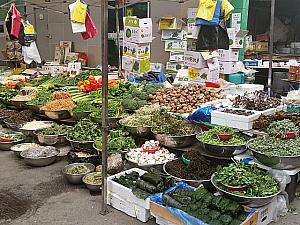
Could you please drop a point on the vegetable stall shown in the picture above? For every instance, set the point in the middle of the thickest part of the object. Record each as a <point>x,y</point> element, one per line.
<point>195,170</point>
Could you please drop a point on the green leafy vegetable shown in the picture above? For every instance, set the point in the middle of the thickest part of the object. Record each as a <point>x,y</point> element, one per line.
<point>84,130</point>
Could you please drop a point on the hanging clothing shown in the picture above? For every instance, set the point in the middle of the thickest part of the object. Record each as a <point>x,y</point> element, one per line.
<point>79,12</point>
<point>207,8</point>
<point>31,53</point>
<point>76,27</point>
<point>91,29</point>
<point>16,22</point>
<point>216,18</point>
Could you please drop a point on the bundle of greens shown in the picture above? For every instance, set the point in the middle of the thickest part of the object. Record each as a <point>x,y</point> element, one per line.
<point>211,209</point>
<point>143,117</point>
<point>149,183</point>
<point>85,106</point>
<point>41,98</point>
<point>258,182</point>
<point>210,137</point>
<point>115,110</point>
<point>55,130</point>
<point>172,125</point>
<point>272,146</point>
<point>118,141</point>
<point>6,94</point>
<point>84,130</point>
<point>281,128</point>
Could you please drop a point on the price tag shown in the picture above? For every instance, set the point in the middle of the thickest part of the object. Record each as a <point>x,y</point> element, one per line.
<point>193,73</point>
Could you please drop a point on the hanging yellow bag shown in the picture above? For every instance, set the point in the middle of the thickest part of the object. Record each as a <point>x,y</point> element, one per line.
<point>79,13</point>
<point>28,28</point>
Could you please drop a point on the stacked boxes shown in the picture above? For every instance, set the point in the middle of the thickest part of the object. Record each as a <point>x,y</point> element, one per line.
<point>136,45</point>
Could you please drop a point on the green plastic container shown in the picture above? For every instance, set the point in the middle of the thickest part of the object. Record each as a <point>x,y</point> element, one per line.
<point>236,78</point>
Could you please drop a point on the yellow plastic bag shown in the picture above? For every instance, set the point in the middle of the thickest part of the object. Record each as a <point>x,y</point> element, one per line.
<point>79,13</point>
<point>28,28</point>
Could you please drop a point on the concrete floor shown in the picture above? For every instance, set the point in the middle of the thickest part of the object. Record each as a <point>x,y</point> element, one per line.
<point>41,196</point>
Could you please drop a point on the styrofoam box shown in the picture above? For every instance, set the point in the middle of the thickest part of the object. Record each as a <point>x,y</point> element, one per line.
<point>232,123</point>
<point>266,213</point>
<point>234,117</point>
<point>129,208</point>
<point>124,192</point>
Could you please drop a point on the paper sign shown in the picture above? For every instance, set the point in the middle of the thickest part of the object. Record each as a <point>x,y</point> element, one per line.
<point>193,73</point>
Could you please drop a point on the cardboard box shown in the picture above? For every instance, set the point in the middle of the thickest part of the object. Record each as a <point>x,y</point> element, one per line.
<point>176,56</point>
<point>138,30</point>
<point>191,26</point>
<point>163,212</point>
<point>236,38</point>
<point>71,57</point>
<point>169,23</point>
<point>74,68</point>
<point>135,65</point>
<point>59,54</point>
<point>138,51</point>
<point>228,67</point>
<point>175,46</point>
<point>191,44</point>
<point>194,75</point>
<point>231,55</point>
<point>260,46</point>
<point>156,67</point>
<point>172,35</point>
<point>194,59</point>
<point>54,68</point>
<point>173,67</point>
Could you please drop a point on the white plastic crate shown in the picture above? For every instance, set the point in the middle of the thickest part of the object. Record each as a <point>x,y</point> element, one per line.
<point>232,120</point>
<point>124,192</point>
<point>129,208</point>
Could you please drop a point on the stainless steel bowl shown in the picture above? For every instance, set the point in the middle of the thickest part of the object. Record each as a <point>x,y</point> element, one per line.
<point>77,178</point>
<point>39,162</point>
<point>58,115</point>
<point>18,152</point>
<point>81,144</point>
<point>253,202</point>
<point>79,115</point>
<point>51,139</point>
<point>34,108</point>
<point>143,132</point>
<point>31,133</point>
<point>175,142</point>
<point>92,187</point>
<point>112,122</point>
<point>276,162</point>
<point>5,146</point>
<point>222,150</point>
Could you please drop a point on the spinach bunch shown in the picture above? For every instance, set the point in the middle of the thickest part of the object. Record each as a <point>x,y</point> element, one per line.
<point>85,130</point>
<point>259,183</point>
<point>85,106</point>
<point>55,130</point>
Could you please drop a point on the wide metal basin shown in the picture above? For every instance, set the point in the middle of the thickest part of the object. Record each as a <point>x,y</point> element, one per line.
<point>58,115</point>
<point>77,178</point>
<point>175,141</point>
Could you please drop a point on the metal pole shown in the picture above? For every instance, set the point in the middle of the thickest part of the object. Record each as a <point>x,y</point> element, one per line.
<point>105,128</point>
<point>118,37</point>
<point>271,46</point>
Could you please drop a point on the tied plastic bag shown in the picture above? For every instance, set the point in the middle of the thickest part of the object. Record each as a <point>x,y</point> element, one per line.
<point>76,27</point>
<point>202,114</point>
<point>31,53</point>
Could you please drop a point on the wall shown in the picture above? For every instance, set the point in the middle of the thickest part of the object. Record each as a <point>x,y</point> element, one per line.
<point>56,26</point>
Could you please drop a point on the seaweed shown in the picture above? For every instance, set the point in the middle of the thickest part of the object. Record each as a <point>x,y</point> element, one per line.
<point>146,186</point>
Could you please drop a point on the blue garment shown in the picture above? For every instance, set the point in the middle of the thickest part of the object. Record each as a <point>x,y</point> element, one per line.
<point>216,19</point>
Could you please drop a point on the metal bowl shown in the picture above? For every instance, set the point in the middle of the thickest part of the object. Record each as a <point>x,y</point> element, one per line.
<point>31,133</point>
<point>39,162</point>
<point>223,150</point>
<point>92,187</point>
<point>6,146</point>
<point>143,132</point>
<point>78,145</point>
<point>58,115</point>
<point>34,108</point>
<point>79,115</point>
<point>77,178</point>
<point>253,202</point>
<point>181,179</point>
<point>276,162</point>
<point>175,141</point>
<point>51,139</point>
<point>18,152</point>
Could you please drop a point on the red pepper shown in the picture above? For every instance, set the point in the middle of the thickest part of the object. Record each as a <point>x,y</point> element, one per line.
<point>91,79</point>
<point>94,87</point>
